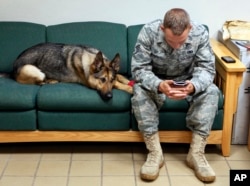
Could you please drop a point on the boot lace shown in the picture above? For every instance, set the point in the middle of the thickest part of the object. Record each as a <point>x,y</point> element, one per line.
<point>153,156</point>
<point>202,159</point>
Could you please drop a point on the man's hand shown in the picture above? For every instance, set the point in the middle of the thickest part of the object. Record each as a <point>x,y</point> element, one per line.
<point>176,92</point>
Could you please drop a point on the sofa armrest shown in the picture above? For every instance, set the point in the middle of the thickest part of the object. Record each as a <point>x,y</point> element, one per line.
<point>228,79</point>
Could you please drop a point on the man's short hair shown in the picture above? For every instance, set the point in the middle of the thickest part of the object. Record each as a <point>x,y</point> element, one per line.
<point>177,20</point>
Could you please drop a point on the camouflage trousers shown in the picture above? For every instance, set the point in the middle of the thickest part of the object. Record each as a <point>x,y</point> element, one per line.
<point>202,110</point>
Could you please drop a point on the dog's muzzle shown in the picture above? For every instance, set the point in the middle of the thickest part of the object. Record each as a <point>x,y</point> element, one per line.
<point>106,96</point>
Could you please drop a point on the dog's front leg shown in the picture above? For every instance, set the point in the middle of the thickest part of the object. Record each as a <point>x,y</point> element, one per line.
<point>122,79</point>
<point>124,87</point>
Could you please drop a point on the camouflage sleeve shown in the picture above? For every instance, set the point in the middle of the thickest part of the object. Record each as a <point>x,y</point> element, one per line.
<point>141,64</point>
<point>204,70</point>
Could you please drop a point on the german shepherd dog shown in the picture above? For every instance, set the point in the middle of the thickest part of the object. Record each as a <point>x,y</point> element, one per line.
<point>55,62</point>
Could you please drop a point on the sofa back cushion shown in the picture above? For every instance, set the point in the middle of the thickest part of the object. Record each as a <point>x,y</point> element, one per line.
<point>133,32</point>
<point>110,38</point>
<point>16,37</point>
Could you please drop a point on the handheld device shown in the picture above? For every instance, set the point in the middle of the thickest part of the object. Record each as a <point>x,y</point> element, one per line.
<point>228,59</point>
<point>180,83</point>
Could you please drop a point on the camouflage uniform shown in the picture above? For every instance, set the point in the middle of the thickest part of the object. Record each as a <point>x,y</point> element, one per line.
<point>154,60</point>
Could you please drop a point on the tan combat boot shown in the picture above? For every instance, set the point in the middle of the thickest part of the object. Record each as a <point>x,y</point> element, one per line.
<point>197,161</point>
<point>150,169</point>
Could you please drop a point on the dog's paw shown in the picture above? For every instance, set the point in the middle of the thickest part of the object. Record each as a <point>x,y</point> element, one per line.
<point>130,90</point>
<point>51,81</point>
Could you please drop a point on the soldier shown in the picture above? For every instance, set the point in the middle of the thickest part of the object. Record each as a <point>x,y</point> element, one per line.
<point>166,51</point>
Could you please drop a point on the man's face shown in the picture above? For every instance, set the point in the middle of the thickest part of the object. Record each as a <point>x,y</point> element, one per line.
<point>175,41</point>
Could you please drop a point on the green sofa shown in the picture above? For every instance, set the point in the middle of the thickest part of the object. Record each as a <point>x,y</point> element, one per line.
<point>72,112</point>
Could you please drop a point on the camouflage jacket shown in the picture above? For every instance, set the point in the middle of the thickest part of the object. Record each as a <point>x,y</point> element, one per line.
<point>154,60</point>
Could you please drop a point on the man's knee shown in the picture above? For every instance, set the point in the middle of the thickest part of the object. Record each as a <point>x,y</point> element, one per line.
<point>139,96</point>
<point>213,90</point>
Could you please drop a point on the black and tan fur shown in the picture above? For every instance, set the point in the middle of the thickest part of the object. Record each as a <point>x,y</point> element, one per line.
<point>53,62</point>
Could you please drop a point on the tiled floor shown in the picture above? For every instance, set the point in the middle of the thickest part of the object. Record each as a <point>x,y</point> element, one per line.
<point>107,164</point>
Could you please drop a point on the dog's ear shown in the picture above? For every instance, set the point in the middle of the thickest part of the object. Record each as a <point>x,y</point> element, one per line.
<point>115,63</point>
<point>98,62</point>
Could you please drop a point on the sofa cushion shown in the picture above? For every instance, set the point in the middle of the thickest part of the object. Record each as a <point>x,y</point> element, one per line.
<point>15,96</point>
<point>177,121</point>
<point>76,97</point>
<point>133,32</point>
<point>175,105</point>
<point>110,38</point>
<point>16,37</point>
<point>78,121</point>
<point>16,120</point>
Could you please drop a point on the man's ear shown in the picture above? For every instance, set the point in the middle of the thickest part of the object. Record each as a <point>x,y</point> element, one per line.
<point>162,28</point>
<point>190,27</point>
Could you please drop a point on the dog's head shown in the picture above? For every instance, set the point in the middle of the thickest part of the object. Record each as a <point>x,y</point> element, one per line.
<point>103,75</point>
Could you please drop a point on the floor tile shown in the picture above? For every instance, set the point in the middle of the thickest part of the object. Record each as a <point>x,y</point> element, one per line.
<point>88,181</point>
<point>220,181</point>
<point>108,164</point>
<point>238,164</point>
<point>50,181</point>
<point>16,181</point>
<point>53,168</point>
<point>86,168</point>
<point>117,156</point>
<point>178,168</point>
<point>3,163</point>
<point>220,168</point>
<point>175,156</point>
<point>185,181</point>
<point>160,181</point>
<point>214,157</point>
<point>118,168</point>
<point>21,168</point>
<point>213,152</point>
<point>118,180</point>
<point>140,156</point>
<point>25,156</point>
<point>239,152</point>
<point>86,156</point>
<point>4,155</point>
